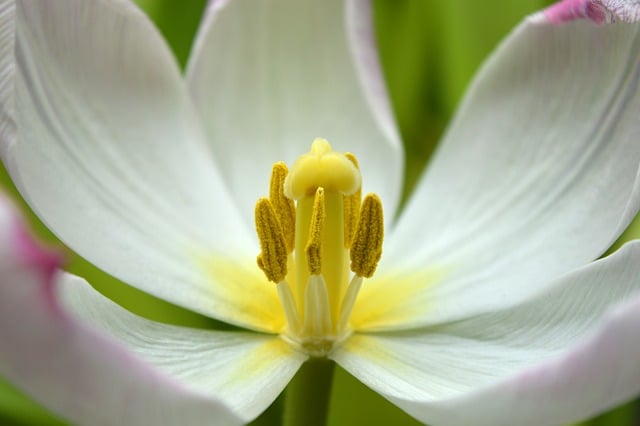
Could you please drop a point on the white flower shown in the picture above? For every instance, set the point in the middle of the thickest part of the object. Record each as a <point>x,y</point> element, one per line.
<point>488,304</point>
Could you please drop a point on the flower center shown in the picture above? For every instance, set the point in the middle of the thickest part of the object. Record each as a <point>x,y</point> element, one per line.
<point>314,229</point>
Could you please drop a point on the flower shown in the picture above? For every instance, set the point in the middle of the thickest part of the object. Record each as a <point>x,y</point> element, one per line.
<point>488,303</point>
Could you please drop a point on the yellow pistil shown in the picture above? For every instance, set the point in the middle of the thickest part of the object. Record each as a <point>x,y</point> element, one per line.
<point>313,239</point>
<point>321,168</point>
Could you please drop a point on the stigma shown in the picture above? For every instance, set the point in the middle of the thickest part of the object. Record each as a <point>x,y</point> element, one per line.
<point>319,239</point>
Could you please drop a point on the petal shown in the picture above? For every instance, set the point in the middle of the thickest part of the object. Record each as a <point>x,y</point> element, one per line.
<point>537,175</point>
<point>246,371</point>
<point>70,368</point>
<point>7,41</point>
<point>599,11</point>
<point>270,76</point>
<point>568,354</point>
<point>106,148</point>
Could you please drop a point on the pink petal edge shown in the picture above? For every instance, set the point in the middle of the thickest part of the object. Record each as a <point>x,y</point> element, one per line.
<point>598,11</point>
<point>72,369</point>
<point>556,384</point>
<point>44,260</point>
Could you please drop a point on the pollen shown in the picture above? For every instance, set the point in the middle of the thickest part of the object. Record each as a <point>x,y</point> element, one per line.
<point>314,242</point>
<point>367,245</point>
<point>283,207</point>
<point>319,243</point>
<point>273,256</point>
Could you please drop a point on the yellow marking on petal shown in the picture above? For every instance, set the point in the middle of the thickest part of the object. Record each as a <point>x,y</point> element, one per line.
<point>367,244</point>
<point>283,206</point>
<point>373,348</point>
<point>259,358</point>
<point>351,208</point>
<point>313,249</point>
<point>394,299</point>
<point>321,168</point>
<point>240,293</point>
<point>273,256</point>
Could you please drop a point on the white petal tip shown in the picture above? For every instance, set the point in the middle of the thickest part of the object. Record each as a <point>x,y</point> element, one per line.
<point>538,18</point>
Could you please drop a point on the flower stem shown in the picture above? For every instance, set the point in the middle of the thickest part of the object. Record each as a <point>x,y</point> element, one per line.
<point>307,397</point>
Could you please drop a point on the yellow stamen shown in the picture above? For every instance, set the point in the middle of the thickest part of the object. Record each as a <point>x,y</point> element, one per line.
<point>289,307</point>
<point>316,227</point>
<point>283,206</point>
<point>306,247</point>
<point>367,245</point>
<point>273,256</point>
<point>317,312</point>
<point>349,301</point>
<point>351,208</point>
<point>321,168</point>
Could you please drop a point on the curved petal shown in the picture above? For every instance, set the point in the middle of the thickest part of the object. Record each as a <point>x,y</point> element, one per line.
<point>270,76</point>
<point>246,371</point>
<point>538,173</point>
<point>101,139</point>
<point>566,355</point>
<point>7,64</point>
<point>70,368</point>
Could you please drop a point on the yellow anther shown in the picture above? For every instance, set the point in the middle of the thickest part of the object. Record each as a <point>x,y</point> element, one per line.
<point>321,168</point>
<point>351,208</point>
<point>351,157</point>
<point>273,252</point>
<point>314,242</point>
<point>283,206</point>
<point>367,244</point>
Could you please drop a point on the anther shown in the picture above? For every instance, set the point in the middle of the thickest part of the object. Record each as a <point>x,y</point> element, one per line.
<point>313,249</point>
<point>351,208</point>
<point>273,252</point>
<point>283,206</point>
<point>367,243</point>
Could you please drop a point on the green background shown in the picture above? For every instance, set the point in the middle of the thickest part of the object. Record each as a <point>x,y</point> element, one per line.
<point>429,51</point>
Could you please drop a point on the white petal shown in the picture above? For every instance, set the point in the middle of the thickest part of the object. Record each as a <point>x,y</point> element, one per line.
<point>106,148</point>
<point>537,175</point>
<point>7,40</point>
<point>566,355</point>
<point>246,371</point>
<point>270,76</point>
<point>70,368</point>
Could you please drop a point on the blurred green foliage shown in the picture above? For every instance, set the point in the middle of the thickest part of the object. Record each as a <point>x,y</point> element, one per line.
<point>429,50</point>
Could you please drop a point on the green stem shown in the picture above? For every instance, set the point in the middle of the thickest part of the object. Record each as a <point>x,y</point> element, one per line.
<point>307,397</point>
